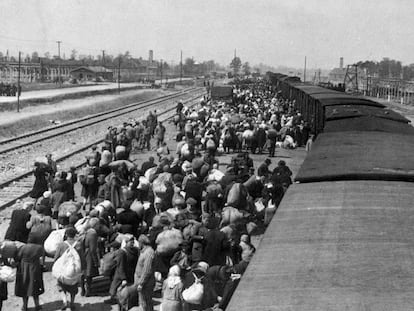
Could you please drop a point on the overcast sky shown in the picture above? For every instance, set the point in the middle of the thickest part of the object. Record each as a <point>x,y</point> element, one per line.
<point>274,32</point>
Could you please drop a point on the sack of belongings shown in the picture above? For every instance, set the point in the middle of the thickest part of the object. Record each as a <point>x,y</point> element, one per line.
<point>7,274</point>
<point>168,241</point>
<point>67,269</point>
<point>53,240</point>
<point>194,294</point>
<point>138,207</point>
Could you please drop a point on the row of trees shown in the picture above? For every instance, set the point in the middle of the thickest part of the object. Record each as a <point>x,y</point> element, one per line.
<point>189,66</point>
<point>388,68</point>
<point>238,67</point>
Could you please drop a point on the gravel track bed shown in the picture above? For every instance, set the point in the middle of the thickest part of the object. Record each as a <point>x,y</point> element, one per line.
<point>21,160</point>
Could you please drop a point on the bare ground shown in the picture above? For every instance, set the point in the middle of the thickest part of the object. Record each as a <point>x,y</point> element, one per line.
<point>51,300</point>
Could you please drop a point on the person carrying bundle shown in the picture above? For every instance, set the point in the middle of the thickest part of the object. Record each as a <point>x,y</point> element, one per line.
<point>64,286</point>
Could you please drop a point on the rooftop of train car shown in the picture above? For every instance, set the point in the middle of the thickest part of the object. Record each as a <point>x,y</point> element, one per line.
<point>357,155</point>
<point>367,123</point>
<point>352,111</point>
<point>290,79</point>
<point>313,89</point>
<point>327,99</point>
<point>335,246</point>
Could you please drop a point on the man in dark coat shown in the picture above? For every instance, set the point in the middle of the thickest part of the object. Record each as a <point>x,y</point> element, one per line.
<point>215,243</point>
<point>261,138</point>
<point>284,173</point>
<point>126,261</point>
<point>90,244</point>
<point>128,220</point>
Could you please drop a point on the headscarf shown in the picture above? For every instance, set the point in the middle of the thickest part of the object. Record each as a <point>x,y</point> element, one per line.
<point>173,276</point>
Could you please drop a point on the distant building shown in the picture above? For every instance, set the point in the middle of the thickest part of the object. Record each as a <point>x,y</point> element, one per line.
<point>92,73</point>
<point>337,75</point>
<point>49,70</point>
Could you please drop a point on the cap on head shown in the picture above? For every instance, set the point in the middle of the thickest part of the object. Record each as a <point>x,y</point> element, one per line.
<point>70,232</point>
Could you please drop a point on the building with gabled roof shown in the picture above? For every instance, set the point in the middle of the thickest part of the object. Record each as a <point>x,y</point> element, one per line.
<point>92,73</point>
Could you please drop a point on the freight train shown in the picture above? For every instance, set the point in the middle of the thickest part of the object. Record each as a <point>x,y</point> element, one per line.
<point>342,237</point>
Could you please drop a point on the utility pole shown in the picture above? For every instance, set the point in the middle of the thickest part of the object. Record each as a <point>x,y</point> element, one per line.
<point>119,74</point>
<point>103,57</point>
<point>161,72</point>
<point>60,82</point>
<point>356,77</point>
<point>18,84</point>
<point>181,66</point>
<point>304,72</point>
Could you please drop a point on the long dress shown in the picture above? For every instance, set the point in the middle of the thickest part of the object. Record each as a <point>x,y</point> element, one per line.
<point>17,230</point>
<point>41,184</point>
<point>91,253</point>
<point>29,278</point>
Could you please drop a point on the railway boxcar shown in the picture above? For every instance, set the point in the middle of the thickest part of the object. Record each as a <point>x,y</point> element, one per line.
<point>355,155</point>
<point>286,84</point>
<point>319,103</point>
<point>343,245</point>
<point>341,238</point>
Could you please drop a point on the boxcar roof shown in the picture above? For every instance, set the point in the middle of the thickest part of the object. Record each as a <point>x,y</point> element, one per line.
<point>313,89</point>
<point>290,78</point>
<point>367,123</point>
<point>335,246</point>
<point>350,111</point>
<point>359,155</point>
<point>342,98</point>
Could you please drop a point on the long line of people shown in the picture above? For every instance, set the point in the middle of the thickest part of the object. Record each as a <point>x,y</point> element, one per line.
<point>179,228</point>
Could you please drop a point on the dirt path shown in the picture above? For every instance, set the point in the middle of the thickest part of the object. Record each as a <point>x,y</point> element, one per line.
<point>8,117</point>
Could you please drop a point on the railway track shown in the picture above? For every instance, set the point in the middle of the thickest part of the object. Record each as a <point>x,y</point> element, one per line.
<point>30,138</point>
<point>20,158</point>
<point>19,186</point>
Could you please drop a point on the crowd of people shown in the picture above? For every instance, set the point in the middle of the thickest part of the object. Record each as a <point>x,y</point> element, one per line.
<point>7,89</point>
<point>176,226</point>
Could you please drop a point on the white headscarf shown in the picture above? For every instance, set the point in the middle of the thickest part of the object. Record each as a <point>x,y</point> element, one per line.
<point>173,276</point>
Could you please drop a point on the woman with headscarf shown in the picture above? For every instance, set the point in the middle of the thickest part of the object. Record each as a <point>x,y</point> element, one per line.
<point>17,230</point>
<point>29,277</point>
<point>172,289</point>
<point>41,172</point>
<point>40,227</point>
